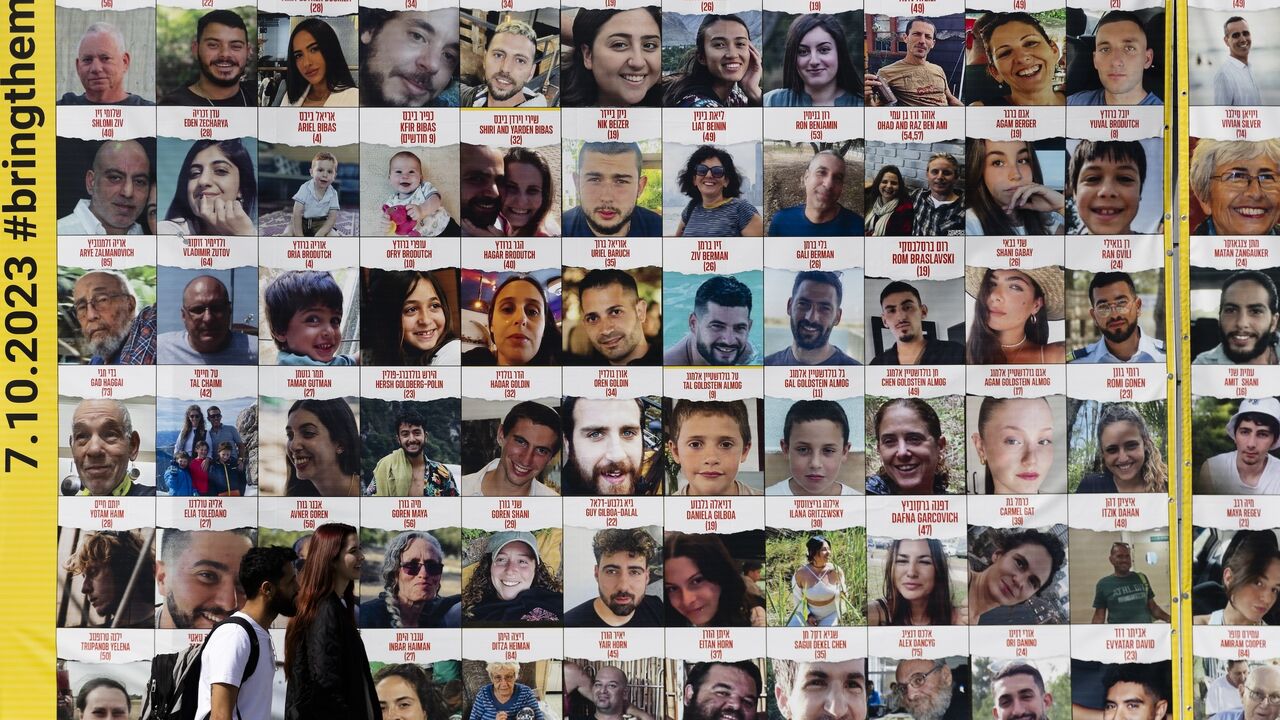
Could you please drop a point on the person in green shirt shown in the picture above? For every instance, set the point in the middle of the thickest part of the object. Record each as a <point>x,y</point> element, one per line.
<point>1125,596</point>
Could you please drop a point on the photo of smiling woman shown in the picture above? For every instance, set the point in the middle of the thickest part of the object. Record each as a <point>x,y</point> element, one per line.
<point>1017,445</point>
<point>1012,310</point>
<point>1022,59</point>
<point>318,74</point>
<point>818,69</point>
<point>1125,446</point>
<point>215,189</point>
<point>722,69</point>
<point>413,318</point>
<point>522,328</point>
<point>1007,194</point>
<point>513,578</point>
<point>616,59</point>
<point>716,207</point>
<point>322,448</point>
<point>911,447</point>
<point>704,583</point>
<point>1236,184</point>
<point>1017,577</point>
<point>916,586</point>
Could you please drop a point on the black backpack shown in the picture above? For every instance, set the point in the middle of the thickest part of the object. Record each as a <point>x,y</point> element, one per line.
<point>174,689</point>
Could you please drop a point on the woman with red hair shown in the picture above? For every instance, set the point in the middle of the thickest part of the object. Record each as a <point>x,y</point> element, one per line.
<point>324,660</point>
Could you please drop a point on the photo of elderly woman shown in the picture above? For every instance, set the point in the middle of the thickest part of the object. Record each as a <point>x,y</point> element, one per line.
<point>1018,577</point>
<point>1227,199</point>
<point>419,579</point>
<point>512,578</point>
<point>815,579</point>
<point>916,581</point>
<point>215,189</point>
<point>509,690</point>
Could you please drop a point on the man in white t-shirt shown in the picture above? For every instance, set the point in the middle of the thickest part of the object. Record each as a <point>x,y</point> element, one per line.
<point>270,584</point>
<point>1224,692</point>
<point>527,442</point>
<point>1249,469</point>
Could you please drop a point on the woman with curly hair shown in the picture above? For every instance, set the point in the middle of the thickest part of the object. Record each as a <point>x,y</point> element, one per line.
<point>703,585</point>
<point>1128,459</point>
<point>917,587</point>
<point>716,207</point>
<point>412,568</point>
<point>1023,566</point>
<point>890,211</point>
<point>108,560</point>
<point>324,659</point>
<point>512,584</point>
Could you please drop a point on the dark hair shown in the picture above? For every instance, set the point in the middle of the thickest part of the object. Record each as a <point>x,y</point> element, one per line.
<point>1249,555</point>
<point>180,206</point>
<point>174,542</point>
<point>1109,277</point>
<point>263,564</point>
<point>529,157</point>
<point>989,212</point>
<point>897,286</point>
<point>918,18</point>
<point>534,412</point>
<point>698,673</point>
<point>229,18</point>
<point>1153,677</point>
<point>646,483</point>
<point>717,566</point>
<point>82,697</point>
<point>735,410</point>
<point>548,349</point>
<point>417,679</point>
<point>1020,669</point>
<point>381,331</point>
<point>336,73</point>
<point>1232,19</point>
<point>723,290</point>
<point>848,77</point>
<point>604,277</point>
<point>983,347</point>
<point>479,588</point>
<point>938,605</point>
<point>1257,276</point>
<point>1117,151</point>
<point>873,190</point>
<point>1009,541</point>
<point>633,541</point>
<point>989,405</point>
<point>999,19</point>
<point>337,418</point>
<point>407,417</point>
<point>1116,16</point>
<point>750,566</point>
<point>688,176</point>
<point>813,546</point>
<point>294,291</point>
<point>826,277</point>
<point>580,89</point>
<point>612,147</point>
<point>692,75</point>
<point>802,411</point>
<point>315,584</point>
<point>925,412</point>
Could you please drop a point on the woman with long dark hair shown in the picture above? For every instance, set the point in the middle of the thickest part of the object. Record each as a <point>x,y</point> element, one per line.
<point>817,587</point>
<point>1022,567</point>
<point>722,70</point>
<point>324,659</point>
<point>917,587</point>
<point>1007,194</point>
<point>527,194</point>
<point>422,332</point>
<point>322,449</point>
<point>1011,315</point>
<point>890,211</point>
<point>1250,578</point>
<point>193,430</point>
<point>716,207</point>
<point>216,193</point>
<point>1128,459</point>
<point>616,60</point>
<point>817,69</point>
<point>521,329</point>
<point>703,585</point>
<point>318,75</point>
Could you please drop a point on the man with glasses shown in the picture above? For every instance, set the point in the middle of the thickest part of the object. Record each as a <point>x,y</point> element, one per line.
<point>412,569</point>
<point>113,331</point>
<point>927,692</point>
<point>1114,306</point>
<point>1233,84</point>
<point>1260,694</point>
<point>722,691</point>
<point>1120,55</point>
<point>208,338</point>
<point>1237,186</point>
<point>219,433</point>
<point>407,471</point>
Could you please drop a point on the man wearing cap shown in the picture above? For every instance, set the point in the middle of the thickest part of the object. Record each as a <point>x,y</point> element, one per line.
<point>1247,313</point>
<point>1249,469</point>
<point>528,439</point>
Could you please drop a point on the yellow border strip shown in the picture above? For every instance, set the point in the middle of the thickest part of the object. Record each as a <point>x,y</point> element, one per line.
<point>1184,694</point>
<point>28,503</point>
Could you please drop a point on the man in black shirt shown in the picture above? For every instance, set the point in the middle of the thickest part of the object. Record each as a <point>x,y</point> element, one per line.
<point>221,50</point>
<point>621,572</point>
<point>612,318</point>
<point>903,314</point>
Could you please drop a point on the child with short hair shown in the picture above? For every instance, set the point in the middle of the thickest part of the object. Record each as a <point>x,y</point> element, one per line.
<point>304,308</point>
<point>709,440</point>
<point>1106,177</point>
<point>226,477</point>
<point>414,197</point>
<point>177,477</point>
<point>315,205</point>
<point>815,441</point>
<point>199,468</point>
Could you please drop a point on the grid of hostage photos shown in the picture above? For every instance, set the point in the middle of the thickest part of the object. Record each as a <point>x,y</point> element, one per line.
<point>718,359</point>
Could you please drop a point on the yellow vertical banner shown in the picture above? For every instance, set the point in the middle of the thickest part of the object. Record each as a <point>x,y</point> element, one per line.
<point>1176,112</point>
<point>28,371</point>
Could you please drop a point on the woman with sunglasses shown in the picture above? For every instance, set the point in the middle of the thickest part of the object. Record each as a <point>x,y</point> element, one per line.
<point>716,208</point>
<point>410,598</point>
